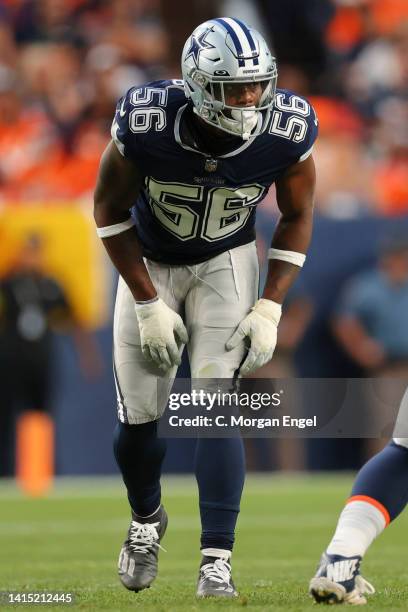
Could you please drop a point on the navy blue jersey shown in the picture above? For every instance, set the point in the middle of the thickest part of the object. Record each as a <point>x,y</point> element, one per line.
<point>194,206</point>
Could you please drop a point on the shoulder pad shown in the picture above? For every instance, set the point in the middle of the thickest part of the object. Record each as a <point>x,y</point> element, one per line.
<point>295,122</point>
<point>141,109</point>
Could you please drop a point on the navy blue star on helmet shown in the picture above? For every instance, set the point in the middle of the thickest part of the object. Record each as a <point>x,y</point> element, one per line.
<point>197,45</point>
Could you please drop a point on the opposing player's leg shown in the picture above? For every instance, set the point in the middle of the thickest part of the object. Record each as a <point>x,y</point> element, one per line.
<point>226,288</point>
<point>139,452</point>
<point>379,495</point>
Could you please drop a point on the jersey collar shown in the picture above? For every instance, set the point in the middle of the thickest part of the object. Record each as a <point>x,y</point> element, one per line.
<point>177,137</point>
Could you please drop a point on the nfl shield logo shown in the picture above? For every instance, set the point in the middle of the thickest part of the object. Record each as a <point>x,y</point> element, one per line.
<point>210,165</point>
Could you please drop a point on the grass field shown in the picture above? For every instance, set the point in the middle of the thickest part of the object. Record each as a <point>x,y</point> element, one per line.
<point>70,542</point>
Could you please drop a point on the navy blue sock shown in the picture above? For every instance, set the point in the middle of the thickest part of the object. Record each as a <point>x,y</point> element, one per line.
<point>385,479</point>
<point>139,454</point>
<point>220,473</point>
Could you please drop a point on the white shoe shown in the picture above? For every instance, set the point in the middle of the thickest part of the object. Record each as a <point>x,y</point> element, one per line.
<point>338,580</point>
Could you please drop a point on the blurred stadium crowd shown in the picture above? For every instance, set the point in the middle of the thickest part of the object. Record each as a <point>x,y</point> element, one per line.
<point>64,63</point>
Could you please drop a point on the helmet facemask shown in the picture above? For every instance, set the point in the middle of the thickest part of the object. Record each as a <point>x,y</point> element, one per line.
<point>246,122</point>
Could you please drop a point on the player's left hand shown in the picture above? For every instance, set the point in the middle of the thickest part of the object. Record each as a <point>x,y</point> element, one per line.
<point>260,326</point>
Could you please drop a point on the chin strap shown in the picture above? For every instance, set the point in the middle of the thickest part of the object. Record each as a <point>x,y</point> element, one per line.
<point>242,122</point>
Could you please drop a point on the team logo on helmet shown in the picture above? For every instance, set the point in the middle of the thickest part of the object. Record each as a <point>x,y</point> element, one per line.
<point>197,45</point>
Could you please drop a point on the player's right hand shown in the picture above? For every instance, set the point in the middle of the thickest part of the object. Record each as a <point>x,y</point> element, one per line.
<point>162,332</point>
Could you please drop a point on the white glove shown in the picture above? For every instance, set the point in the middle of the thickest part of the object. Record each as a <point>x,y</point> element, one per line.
<point>261,327</point>
<point>158,325</point>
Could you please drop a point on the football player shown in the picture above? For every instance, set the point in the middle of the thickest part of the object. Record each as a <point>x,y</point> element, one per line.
<point>175,204</point>
<point>378,496</point>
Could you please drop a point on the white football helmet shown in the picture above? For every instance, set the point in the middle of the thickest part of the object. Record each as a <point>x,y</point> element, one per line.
<point>221,52</point>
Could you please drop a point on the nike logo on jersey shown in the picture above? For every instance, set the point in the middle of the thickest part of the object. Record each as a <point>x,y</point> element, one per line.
<point>342,570</point>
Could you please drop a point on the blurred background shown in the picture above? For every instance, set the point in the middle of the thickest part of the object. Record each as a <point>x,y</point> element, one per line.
<point>63,65</point>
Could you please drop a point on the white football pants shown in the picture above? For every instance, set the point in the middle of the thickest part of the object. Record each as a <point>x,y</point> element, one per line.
<point>212,297</point>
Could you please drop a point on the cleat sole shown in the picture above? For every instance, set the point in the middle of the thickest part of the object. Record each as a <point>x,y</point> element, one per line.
<point>325,591</point>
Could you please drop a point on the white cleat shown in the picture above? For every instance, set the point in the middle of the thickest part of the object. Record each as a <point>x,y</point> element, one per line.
<point>338,580</point>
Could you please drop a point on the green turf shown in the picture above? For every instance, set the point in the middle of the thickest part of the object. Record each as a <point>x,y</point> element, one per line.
<point>70,542</point>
